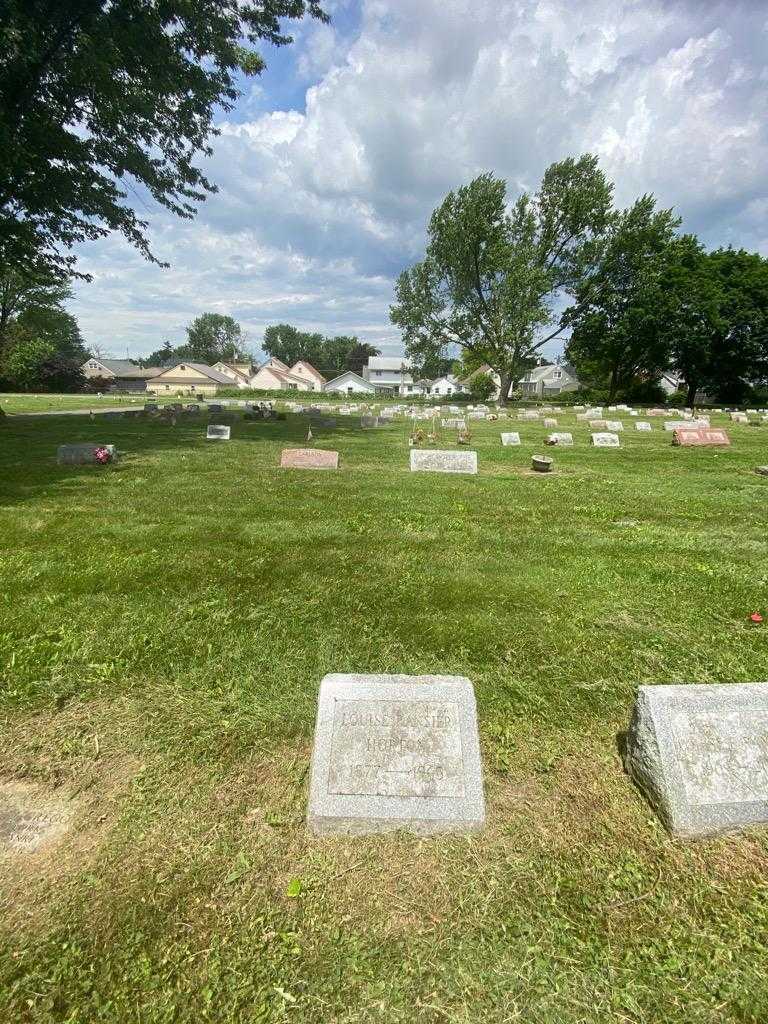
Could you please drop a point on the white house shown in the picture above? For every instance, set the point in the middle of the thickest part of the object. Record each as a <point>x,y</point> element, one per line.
<point>551,379</point>
<point>488,372</point>
<point>307,372</point>
<point>350,383</point>
<point>239,373</point>
<point>447,385</point>
<point>274,375</point>
<point>390,374</point>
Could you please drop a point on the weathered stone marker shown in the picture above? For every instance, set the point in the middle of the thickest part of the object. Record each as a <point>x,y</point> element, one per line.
<point>603,440</point>
<point>218,432</point>
<point>643,425</point>
<point>511,438</point>
<point>424,460</point>
<point>700,755</point>
<point>454,423</point>
<point>368,422</point>
<point>82,454</point>
<point>308,458</point>
<point>562,438</point>
<point>396,752</point>
<point>614,425</point>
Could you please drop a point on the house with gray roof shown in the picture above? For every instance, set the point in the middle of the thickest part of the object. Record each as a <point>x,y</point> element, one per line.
<point>119,374</point>
<point>552,379</point>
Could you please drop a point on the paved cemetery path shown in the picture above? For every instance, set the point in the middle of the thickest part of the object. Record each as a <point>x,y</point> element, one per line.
<point>100,410</point>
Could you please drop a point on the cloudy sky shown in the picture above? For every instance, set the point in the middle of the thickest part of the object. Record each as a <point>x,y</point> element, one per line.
<point>334,158</point>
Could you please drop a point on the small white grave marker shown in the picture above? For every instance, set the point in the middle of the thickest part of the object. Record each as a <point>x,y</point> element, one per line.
<point>426,460</point>
<point>511,438</point>
<point>603,440</point>
<point>217,432</point>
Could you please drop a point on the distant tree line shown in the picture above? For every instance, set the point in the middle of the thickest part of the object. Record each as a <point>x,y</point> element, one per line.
<point>498,282</point>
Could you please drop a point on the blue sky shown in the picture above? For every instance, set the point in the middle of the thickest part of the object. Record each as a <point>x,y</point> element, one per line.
<point>334,158</point>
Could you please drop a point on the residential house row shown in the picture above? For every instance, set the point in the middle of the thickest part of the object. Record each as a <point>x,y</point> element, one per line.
<point>383,375</point>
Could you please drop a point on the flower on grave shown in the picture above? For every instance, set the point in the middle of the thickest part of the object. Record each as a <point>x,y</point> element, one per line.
<point>102,455</point>
<point>755,617</point>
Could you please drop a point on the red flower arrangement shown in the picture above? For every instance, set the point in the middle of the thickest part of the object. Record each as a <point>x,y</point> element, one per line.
<point>102,455</point>
<point>755,617</point>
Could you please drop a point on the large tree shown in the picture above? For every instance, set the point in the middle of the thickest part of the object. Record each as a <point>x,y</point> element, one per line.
<point>617,333</point>
<point>213,337</point>
<point>491,276</point>
<point>32,306</point>
<point>99,97</point>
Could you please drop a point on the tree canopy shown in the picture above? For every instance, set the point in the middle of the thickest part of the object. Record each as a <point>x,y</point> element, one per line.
<point>491,276</point>
<point>331,356</point>
<point>104,101</point>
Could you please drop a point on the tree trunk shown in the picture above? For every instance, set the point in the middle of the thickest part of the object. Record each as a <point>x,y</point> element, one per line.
<point>690,393</point>
<point>506,384</point>
<point>613,387</point>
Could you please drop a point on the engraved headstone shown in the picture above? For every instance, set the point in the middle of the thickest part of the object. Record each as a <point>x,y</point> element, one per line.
<point>510,438</point>
<point>614,425</point>
<point>603,440</point>
<point>598,424</point>
<point>396,752</point>
<point>308,458</point>
<point>701,437</point>
<point>561,438</point>
<point>218,432</point>
<point>425,460</point>
<point>550,423</point>
<point>454,423</point>
<point>82,454</point>
<point>643,425</point>
<point>691,424</point>
<point>700,755</point>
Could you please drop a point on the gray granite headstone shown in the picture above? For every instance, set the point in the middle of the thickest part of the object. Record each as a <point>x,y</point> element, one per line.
<point>368,422</point>
<point>396,752</point>
<point>512,437</point>
<point>700,755</point>
<point>560,438</point>
<point>218,432</point>
<point>425,460</point>
<point>643,425</point>
<point>454,423</point>
<point>82,454</point>
<point>614,425</point>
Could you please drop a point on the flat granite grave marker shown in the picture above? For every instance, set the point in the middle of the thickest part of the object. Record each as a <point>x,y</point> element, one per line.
<point>701,437</point>
<point>82,454</point>
<point>454,423</point>
<point>217,432</point>
<point>643,425</point>
<point>561,438</point>
<point>614,425</point>
<point>510,438</point>
<point>550,423</point>
<point>603,440</point>
<point>396,752</point>
<point>700,755</point>
<point>424,460</point>
<point>308,458</point>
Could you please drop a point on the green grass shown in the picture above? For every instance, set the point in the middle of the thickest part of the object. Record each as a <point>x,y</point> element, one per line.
<point>164,626</point>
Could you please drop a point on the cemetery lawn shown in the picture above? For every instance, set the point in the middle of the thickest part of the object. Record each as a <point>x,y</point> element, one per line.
<point>164,627</point>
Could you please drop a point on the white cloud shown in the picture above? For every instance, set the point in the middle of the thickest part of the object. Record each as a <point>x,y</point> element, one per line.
<point>319,209</point>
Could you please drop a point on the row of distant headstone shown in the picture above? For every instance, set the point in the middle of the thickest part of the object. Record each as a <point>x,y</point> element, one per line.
<point>402,752</point>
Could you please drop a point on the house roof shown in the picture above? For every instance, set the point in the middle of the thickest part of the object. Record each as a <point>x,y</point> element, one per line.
<point>485,368</point>
<point>281,374</point>
<point>350,373</point>
<point>388,363</point>
<point>125,368</point>
<point>309,368</point>
<point>278,364</point>
<point>540,372</point>
<point>207,371</point>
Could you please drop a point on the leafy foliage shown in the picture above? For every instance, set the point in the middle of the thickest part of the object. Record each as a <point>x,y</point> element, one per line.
<point>616,327</point>
<point>331,356</point>
<point>99,97</point>
<point>490,277</point>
